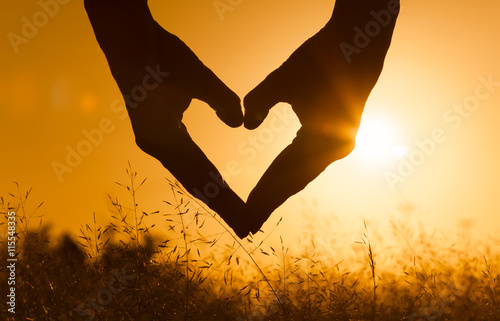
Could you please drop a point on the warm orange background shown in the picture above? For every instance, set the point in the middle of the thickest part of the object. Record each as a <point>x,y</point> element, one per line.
<point>58,85</point>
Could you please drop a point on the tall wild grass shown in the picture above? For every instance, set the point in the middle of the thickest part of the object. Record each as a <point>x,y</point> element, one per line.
<point>130,269</point>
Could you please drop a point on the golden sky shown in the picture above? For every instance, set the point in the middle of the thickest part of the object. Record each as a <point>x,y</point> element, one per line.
<point>56,88</point>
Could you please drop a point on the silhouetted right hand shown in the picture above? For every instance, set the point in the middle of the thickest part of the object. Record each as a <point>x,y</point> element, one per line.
<point>327,81</point>
<point>326,84</point>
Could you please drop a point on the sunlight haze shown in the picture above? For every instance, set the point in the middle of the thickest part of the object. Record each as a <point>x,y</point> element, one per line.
<point>429,134</point>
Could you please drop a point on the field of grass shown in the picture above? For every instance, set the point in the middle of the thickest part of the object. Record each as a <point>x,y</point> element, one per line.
<point>129,269</point>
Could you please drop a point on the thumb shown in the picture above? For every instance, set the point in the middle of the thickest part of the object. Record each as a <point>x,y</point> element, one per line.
<point>261,99</point>
<point>217,95</point>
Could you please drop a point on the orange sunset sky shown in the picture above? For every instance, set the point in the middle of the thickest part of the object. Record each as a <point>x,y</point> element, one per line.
<point>430,132</point>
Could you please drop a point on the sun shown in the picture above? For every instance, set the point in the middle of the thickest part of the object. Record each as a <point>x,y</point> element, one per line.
<point>377,140</point>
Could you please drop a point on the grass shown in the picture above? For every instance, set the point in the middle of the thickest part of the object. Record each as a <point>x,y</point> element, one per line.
<point>130,269</point>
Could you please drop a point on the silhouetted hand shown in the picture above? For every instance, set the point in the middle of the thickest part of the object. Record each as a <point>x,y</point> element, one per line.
<point>158,76</point>
<point>327,81</point>
<point>132,41</point>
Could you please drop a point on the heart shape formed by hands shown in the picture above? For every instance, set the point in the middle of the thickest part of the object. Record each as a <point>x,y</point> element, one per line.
<point>327,81</point>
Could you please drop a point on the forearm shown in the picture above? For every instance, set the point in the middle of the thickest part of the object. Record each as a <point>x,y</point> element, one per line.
<point>124,30</point>
<point>374,17</point>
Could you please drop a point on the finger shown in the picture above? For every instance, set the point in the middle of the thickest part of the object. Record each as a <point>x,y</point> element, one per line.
<point>217,95</point>
<point>261,99</point>
<point>198,80</point>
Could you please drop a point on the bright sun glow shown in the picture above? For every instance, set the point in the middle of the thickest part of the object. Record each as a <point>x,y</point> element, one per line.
<point>377,140</point>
